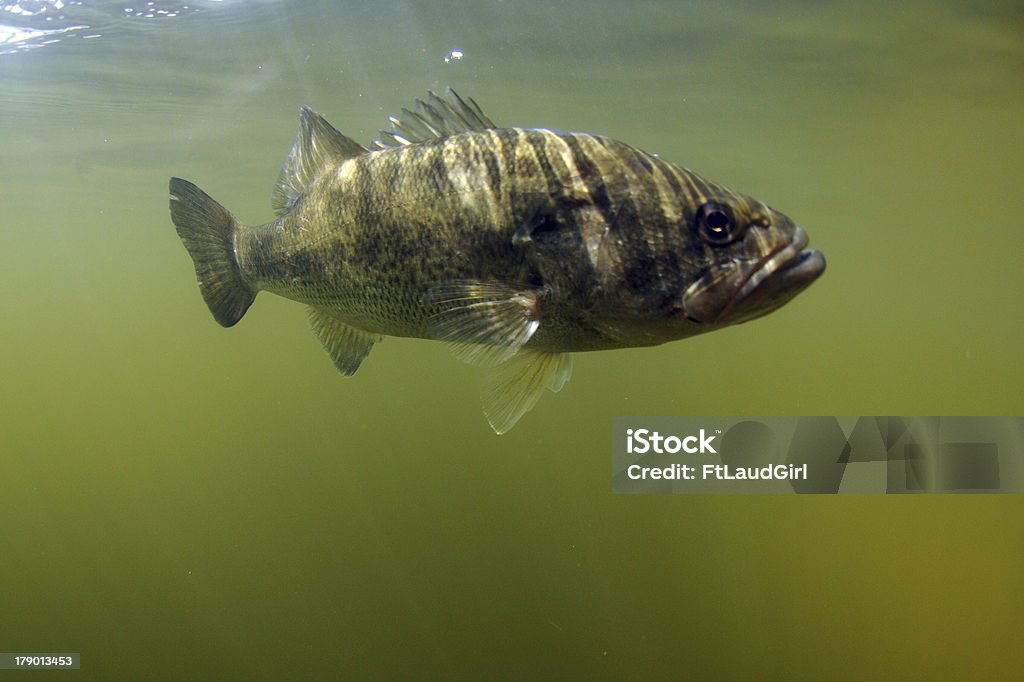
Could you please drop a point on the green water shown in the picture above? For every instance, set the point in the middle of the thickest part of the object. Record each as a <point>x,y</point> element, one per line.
<point>182,501</point>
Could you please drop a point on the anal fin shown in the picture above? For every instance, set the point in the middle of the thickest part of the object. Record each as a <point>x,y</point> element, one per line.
<point>346,345</point>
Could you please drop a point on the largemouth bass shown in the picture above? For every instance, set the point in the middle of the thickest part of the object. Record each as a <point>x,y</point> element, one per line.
<point>515,246</point>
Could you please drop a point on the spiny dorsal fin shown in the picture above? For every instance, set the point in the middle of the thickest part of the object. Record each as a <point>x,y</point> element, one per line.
<point>435,118</point>
<point>317,146</point>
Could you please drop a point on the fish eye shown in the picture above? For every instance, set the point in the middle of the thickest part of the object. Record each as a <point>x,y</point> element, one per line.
<point>714,223</point>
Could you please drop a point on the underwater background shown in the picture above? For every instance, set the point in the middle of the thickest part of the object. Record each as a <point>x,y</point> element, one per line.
<point>182,501</point>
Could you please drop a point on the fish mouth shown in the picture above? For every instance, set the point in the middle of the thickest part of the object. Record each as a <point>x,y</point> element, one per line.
<point>751,286</point>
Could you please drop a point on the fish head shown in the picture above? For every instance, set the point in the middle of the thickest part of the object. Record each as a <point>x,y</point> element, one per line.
<point>645,252</point>
<point>722,258</point>
<point>755,260</point>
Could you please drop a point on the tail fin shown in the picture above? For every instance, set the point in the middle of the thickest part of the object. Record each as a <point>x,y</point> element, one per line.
<point>208,232</point>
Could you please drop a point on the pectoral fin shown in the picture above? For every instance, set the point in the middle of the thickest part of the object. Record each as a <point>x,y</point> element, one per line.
<point>346,345</point>
<point>483,323</point>
<point>489,325</point>
<point>512,388</point>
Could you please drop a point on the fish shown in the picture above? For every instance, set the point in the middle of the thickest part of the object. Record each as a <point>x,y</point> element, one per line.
<point>516,247</point>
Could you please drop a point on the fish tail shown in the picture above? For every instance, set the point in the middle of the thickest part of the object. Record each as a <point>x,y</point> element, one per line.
<point>208,231</point>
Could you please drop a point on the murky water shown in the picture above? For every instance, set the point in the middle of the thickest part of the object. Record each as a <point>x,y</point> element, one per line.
<point>182,501</point>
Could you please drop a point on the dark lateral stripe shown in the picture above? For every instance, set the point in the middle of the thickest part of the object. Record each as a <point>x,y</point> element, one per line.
<point>642,180</point>
<point>492,163</point>
<point>387,170</point>
<point>507,149</point>
<point>701,186</point>
<point>692,193</point>
<point>641,160</point>
<point>592,178</point>
<point>538,141</point>
<point>438,169</point>
<point>669,174</point>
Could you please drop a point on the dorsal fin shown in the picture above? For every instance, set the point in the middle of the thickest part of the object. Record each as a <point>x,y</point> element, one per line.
<point>318,145</point>
<point>434,118</point>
